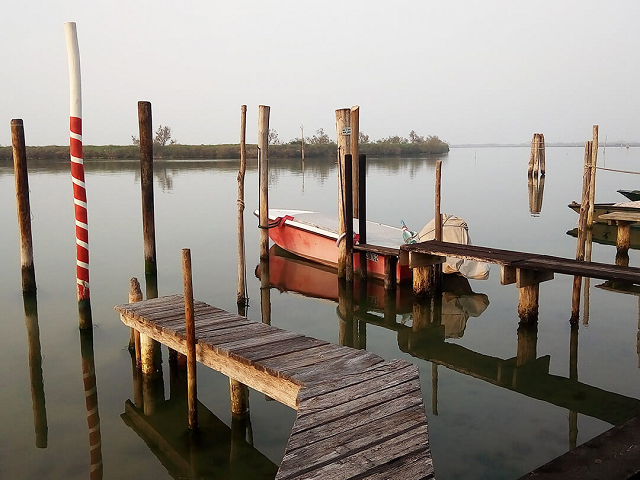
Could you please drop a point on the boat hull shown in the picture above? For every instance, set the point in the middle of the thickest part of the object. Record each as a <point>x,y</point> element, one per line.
<point>321,246</point>
<point>602,208</point>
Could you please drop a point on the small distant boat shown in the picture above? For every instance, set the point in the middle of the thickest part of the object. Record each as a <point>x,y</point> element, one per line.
<point>602,208</point>
<point>633,195</point>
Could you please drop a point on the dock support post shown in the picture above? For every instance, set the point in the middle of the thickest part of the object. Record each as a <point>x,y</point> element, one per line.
<point>528,297</point>
<point>390,269</point>
<point>362,214</point>
<point>343,135</point>
<point>24,211</point>
<point>135,295</point>
<point>345,313</point>
<point>146,185</point>
<point>239,393</point>
<point>623,242</point>
<point>355,166</point>
<point>422,281</point>
<point>348,207</point>
<point>192,389</point>
<point>263,173</point>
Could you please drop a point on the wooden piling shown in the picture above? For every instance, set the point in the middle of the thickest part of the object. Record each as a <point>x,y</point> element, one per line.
<point>135,295</point>
<point>22,202</point>
<point>302,143</point>
<point>343,134</point>
<point>355,166</point>
<point>542,154</point>
<point>434,388</point>
<point>242,266</point>
<point>390,270</point>
<point>239,393</point>
<point>623,242</point>
<point>265,292</point>
<point>146,185</point>
<point>348,207</point>
<point>592,185</point>
<point>437,269</point>
<point>582,228</point>
<point>528,303</point>
<point>362,206</point>
<point>263,169</point>
<point>532,156</point>
<point>192,390</point>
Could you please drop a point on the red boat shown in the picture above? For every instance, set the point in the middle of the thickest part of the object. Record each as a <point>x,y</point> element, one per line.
<point>314,236</point>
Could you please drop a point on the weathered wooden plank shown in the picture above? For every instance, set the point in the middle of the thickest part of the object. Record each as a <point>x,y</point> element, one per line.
<point>356,419</point>
<point>280,364</point>
<point>417,259</point>
<point>369,461</point>
<point>259,353</point>
<point>364,375</point>
<point>353,392</point>
<point>306,420</point>
<point>380,250</point>
<point>264,340</point>
<point>237,332</point>
<point>336,367</point>
<point>626,216</point>
<point>414,466</point>
<point>357,439</point>
<point>146,303</point>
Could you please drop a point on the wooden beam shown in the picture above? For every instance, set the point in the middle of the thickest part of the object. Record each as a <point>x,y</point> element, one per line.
<point>507,275</point>
<point>424,260</point>
<point>527,278</point>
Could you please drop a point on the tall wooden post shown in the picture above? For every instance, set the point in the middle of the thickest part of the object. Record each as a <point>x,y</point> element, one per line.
<point>582,228</point>
<point>35,370</point>
<point>362,207</point>
<point>528,297</point>
<point>242,266</point>
<point>532,156</point>
<point>348,207</point>
<point>343,134</point>
<point>77,176</point>
<point>355,167</point>
<point>135,295</point>
<point>192,390</point>
<point>592,188</point>
<point>24,210</point>
<point>542,154</point>
<point>263,168</point>
<point>146,185</point>
<point>265,292</point>
<point>302,143</point>
<point>438,216</point>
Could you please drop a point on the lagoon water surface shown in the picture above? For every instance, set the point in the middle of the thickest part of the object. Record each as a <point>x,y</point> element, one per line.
<point>487,418</point>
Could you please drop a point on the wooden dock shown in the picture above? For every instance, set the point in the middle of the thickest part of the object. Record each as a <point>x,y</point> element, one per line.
<point>523,261</point>
<point>358,416</point>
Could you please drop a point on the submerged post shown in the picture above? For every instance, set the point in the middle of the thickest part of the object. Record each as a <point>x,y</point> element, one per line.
<point>24,210</point>
<point>146,185</point>
<point>242,268</point>
<point>343,134</point>
<point>348,207</point>
<point>362,205</point>
<point>263,169</point>
<point>77,175</point>
<point>192,389</point>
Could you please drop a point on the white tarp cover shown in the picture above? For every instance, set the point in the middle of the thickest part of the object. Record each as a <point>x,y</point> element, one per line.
<point>455,230</point>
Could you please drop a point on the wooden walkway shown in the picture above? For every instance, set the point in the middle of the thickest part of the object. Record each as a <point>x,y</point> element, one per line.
<point>522,260</point>
<point>358,416</point>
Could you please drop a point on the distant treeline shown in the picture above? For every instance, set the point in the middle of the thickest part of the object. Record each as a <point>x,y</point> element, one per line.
<point>227,151</point>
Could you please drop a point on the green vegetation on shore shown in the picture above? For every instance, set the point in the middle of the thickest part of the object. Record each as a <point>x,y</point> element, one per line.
<point>390,146</point>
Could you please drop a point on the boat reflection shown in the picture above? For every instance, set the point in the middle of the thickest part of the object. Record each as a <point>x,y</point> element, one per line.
<point>371,302</point>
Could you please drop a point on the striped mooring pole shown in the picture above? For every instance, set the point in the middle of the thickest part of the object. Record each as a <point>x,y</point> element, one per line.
<point>77,175</point>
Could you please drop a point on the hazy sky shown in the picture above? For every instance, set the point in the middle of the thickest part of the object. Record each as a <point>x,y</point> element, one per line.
<point>467,71</point>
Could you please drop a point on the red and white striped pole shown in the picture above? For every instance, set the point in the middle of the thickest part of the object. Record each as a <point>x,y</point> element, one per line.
<point>77,174</point>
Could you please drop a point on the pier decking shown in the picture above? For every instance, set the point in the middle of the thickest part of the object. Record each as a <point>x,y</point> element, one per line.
<point>512,260</point>
<point>358,416</point>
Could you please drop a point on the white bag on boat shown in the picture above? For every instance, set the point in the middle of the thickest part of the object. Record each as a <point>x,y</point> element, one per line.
<point>455,230</point>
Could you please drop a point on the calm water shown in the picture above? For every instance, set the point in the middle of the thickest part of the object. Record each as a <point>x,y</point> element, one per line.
<point>486,426</point>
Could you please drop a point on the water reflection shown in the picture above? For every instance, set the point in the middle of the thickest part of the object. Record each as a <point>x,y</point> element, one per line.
<point>91,402</point>
<point>536,191</point>
<point>215,451</point>
<point>35,370</point>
